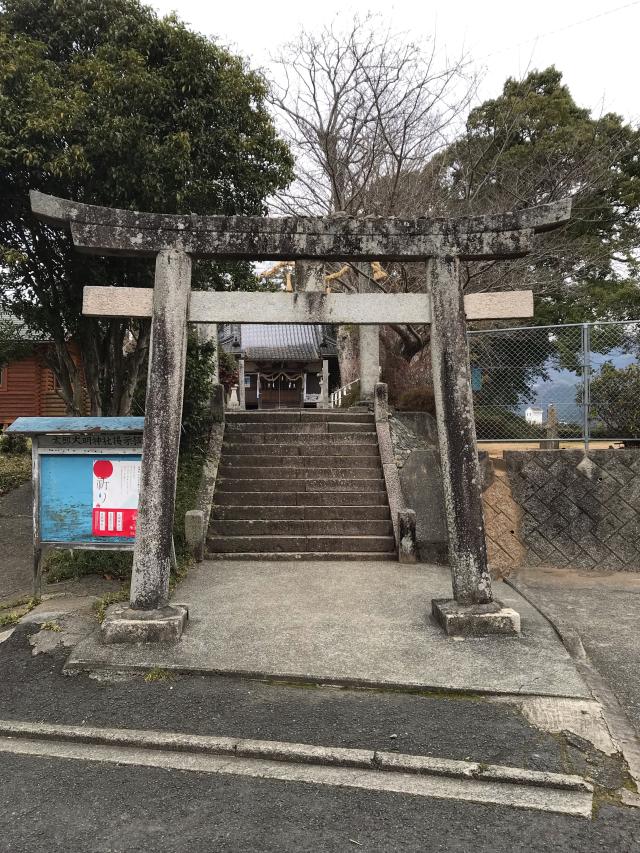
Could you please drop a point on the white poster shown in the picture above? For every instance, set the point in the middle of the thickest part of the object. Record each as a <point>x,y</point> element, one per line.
<point>116,485</point>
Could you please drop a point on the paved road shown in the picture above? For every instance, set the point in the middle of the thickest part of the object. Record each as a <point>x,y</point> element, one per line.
<point>605,611</point>
<point>16,542</point>
<point>34,688</point>
<point>62,805</point>
<point>55,804</point>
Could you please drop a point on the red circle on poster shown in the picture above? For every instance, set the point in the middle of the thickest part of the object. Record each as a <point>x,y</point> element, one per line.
<point>103,469</point>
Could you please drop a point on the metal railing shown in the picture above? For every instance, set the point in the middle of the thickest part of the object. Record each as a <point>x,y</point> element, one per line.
<point>575,382</point>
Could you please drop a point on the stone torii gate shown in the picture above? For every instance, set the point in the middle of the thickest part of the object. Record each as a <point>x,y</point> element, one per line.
<point>173,240</point>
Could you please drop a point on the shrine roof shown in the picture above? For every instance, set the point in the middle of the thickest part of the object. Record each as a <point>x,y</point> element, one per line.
<point>292,342</point>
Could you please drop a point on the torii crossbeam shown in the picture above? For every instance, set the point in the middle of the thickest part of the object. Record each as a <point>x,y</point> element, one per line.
<point>441,243</point>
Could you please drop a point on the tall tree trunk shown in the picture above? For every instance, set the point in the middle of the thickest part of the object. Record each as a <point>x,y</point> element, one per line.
<point>69,377</point>
<point>347,342</point>
<point>134,367</point>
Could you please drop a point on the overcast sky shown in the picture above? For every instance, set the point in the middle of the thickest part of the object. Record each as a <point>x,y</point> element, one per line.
<point>595,43</point>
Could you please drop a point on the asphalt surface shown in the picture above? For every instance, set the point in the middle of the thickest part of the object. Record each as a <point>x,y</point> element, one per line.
<point>605,611</point>
<point>64,805</point>
<point>34,688</point>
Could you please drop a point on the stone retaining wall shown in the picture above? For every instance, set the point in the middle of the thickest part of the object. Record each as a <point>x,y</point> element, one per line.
<point>541,507</point>
<point>561,508</point>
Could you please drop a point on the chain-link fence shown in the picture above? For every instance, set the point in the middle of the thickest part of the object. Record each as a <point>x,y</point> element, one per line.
<point>571,382</point>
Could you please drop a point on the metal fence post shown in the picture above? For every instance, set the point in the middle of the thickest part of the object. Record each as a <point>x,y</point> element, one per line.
<point>586,381</point>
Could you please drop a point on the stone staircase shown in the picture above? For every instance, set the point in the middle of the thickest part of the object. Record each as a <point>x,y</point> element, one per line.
<point>300,484</point>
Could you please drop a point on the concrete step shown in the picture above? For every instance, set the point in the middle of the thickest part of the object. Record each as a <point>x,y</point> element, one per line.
<point>337,484</point>
<point>322,441</point>
<point>302,498</point>
<point>299,513</point>
<point>236,461</point>
<point>296,417</point>
<point>306,428</point>
<point>365,446</point>
<point>288,556</point>
<point>301,544</point>
<point>298,472</point>
<point>289,527</point>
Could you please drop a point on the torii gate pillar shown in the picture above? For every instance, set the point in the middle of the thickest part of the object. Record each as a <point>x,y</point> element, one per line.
<point>472,609</point>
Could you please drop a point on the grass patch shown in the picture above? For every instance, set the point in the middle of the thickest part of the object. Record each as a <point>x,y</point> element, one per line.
<point>100,606</point>
<point>50,626</point>
<point>158,674</point>
<point>12,613</point>
<point>18,602</point>
<point>15,469</point>
<point>116,565</point>
<point>67,565</point>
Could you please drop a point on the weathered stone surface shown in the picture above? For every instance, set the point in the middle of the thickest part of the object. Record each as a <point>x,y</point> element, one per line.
<point>369,340</point>
<point>161,437</point>
<point>421,481</point>
<point>417,426</point>
<point>241,388</point>
<point>194,533</point>
<point>407,550</point>
<point>106,230</point>
<point>307,307</point>
<point>476,620</point>
<point>161,625</point>
<point>457,436</point>
<point>381,402</point>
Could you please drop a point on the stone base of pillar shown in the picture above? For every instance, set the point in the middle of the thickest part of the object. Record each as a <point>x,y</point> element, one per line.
<point>121,624</point>
<point>476,620</point>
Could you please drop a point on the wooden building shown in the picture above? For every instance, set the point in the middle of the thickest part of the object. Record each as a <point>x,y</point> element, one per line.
<point>283,364</point>
<point>28,387</point>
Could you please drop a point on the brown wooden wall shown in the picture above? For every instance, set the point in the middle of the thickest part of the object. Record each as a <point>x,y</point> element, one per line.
<point>28,389</point>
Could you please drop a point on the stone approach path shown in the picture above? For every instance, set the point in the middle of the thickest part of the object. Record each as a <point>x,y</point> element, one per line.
<point>310,621</point>
<point>301,483</point>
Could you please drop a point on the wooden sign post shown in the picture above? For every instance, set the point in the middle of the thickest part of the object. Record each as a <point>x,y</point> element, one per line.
<point>174,240</point>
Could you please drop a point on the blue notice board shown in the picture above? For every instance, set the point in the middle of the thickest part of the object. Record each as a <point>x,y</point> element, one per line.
<point>66,499</point>
<point>86,481</point>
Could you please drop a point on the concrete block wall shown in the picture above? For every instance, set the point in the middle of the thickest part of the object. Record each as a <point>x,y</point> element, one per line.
<point>541,507</point>
<point>558,507</point>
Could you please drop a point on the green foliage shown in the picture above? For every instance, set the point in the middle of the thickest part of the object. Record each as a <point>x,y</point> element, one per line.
<point>615,393</point>
<point>11,347</point>
<point>15,469</point>
<point>417,400</point>
<point>68,564</point>
<point>12,613</point>
<point>157,673</point>
<point>103,102</point>
<point>228,369</point>
<point>14,443</point>
<point>493,423</point>
<point>189,475</point>
<point>100,606</point>
<point>199,377</point>
<point>533,144</point>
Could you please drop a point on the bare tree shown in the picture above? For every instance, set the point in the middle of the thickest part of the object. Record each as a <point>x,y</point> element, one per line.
<point>360,108</point>
<point>379,127</point>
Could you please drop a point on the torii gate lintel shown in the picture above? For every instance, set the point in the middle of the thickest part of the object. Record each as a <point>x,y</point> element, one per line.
<point>441,243</point>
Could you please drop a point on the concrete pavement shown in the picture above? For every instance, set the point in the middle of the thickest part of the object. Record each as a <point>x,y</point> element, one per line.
<point>360,623</point>
<point>603,610</point>
<point>16,542</point>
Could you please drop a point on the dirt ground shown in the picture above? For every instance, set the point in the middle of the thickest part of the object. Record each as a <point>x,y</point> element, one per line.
<point>497,448</point>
